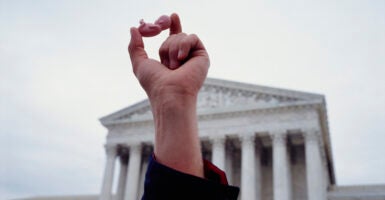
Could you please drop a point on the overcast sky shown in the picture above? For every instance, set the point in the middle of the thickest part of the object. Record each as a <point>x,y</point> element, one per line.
<point>64,64</point>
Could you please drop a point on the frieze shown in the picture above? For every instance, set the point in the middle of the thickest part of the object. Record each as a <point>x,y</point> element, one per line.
<point>211,97</point>
<point>140,114</point>
<point>207,116</point>
<point>214,96</point>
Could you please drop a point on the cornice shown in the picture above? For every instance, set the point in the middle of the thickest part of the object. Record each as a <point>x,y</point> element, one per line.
<point>227,112</point>
<point>324,123</point>
<point>262,89</point>
<point>144,104</point>
<point>247,110</point>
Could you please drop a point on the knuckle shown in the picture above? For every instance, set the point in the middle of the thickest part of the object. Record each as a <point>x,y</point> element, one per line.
<point>130,46</point>
<point>182,34</point>
<point>193,36</point>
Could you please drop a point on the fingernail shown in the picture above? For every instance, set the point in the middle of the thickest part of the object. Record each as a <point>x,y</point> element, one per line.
<point>180,54</point>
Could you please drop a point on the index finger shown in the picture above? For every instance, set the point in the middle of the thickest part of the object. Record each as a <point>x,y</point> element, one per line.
<point>175,26</point>
<point>136,48</point>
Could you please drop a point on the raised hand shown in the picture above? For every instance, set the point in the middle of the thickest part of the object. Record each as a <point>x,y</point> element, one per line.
<point>172,85</point>
<point>183,64</point>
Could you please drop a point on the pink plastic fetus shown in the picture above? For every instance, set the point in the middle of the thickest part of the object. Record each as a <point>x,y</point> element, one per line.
<point>150,30</point>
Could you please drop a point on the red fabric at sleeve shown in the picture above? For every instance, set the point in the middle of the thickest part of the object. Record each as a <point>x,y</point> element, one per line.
<point>213,173</point>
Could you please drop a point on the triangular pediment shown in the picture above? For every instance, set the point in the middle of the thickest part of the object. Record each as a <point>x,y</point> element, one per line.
<point>220,95</point>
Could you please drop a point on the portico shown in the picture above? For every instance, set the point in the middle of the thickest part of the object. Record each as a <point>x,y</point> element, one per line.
<point>271,142</point>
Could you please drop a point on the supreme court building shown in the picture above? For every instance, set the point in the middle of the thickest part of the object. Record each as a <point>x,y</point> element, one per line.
<point>273,143</point>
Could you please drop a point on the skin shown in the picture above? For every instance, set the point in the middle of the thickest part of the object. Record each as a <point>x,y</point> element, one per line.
<point>172,85</point>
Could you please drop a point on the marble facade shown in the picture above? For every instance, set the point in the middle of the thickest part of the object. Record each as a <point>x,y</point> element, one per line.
<point>273,143</point>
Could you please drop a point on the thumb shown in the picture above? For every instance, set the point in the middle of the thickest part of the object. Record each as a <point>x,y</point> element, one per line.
<point>136,48</point>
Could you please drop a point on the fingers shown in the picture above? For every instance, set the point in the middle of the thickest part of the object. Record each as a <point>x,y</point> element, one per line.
<point>164,55</point>
<point>176,26</point>
<point>173,57</point>
<point>178,48</point>
<point>136,48</point>
<point>186,45</point>
<point>168,52</point>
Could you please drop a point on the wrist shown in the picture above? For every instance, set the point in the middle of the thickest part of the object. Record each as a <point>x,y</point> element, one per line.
<point>176,133</point>
<point>174,114</point>
<point>168,102</point>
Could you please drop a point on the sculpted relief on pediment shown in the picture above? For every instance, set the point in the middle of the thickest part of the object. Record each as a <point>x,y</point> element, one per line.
<point>212,97</point>
<point>215,97</point>
<point>140,114</point>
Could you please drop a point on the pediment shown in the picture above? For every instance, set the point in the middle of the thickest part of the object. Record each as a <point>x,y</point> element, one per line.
<point>219,94</point>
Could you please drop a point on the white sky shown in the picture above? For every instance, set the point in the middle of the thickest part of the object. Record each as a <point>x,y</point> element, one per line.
<point>64,64</point>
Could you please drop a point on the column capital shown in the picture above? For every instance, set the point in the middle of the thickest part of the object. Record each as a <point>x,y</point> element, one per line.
<point>312,136</point>
<point>248,137</point>
<point>135,148</point>
<point>218,139</point>
<point>278,138</point>
<point>111,150</point>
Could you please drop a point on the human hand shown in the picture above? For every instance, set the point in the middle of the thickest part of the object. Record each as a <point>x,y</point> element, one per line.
<point>182,69</point>
<point>172,85</point>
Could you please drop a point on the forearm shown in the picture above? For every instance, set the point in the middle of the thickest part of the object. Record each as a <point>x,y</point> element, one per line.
<point>177,143</point>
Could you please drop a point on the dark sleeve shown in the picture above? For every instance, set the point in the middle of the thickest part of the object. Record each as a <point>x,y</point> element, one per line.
<point>164,183</point>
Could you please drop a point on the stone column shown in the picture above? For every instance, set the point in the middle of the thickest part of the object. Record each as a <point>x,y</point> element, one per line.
<point>248,169</point>
<point>111,152</point>
<point>143,176</point>
<point>134,162</point>
<point>281,172</point>
<point>218,152</point>
<point>316,182</point>
<point>258,171</point>
<point>229,165</point>
<point>122,177</point>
